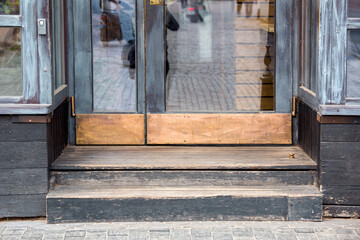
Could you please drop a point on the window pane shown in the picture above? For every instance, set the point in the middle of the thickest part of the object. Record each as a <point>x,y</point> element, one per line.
<point>309,46</point>
<point>9,7</point>
<point>220,56</point>
<point>11,83</point>
<point>114,57</point>
<point>353,63</point>
<point>354,8</point>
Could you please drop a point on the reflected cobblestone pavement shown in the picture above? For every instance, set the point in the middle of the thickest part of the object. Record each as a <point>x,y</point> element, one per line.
<point>329,229</point>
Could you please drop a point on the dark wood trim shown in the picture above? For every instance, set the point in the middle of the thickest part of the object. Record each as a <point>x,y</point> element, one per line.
<point>337,119</point>
<point>31,119</point>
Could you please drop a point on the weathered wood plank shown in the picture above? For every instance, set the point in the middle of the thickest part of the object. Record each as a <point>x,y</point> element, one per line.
<point>182,203</point>
<point>23,155</point>
<point>341,151</point>
<point>167,157</point>
<point>110,129</point>
<point>45,76</point>
<point>23,181</point>
<point>185,178</point>
<point>23,205</point>
<point>22,132</point>
<point>30,50</point>
<point>340,133</point>
<point>332,52</point>
<point>219,129</point>
<point>341,211</point>
<point>10,21</point>
<point>340,110</point>
<point>353,23</point>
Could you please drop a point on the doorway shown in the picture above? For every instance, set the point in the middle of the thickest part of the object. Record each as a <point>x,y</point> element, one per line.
<point>183,72</point>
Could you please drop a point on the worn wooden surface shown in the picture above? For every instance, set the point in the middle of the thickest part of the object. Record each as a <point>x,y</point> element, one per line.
<point>332,52</point>
<point>168,157</point>
<point>341,211</point>
<point>185,178</point>
<point>309,131</point>
<point>219,129</point>
<point>69,203</point>
<point>106,129</point>
<point>23,181</point>
<point>23,205</point>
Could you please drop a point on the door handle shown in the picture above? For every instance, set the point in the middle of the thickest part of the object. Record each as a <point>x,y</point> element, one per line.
<point>156,2</point>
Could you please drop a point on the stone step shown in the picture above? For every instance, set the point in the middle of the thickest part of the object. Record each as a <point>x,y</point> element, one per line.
<point>67,204</point>
<point>184,178</point>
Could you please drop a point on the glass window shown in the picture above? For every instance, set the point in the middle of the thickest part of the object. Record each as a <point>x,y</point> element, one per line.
<point>309,44</point>
<point>114,55</point>
<point>58,30</point>
<point>220,55</point>
<point>11,83</point>
<point>353,63</point>
<point>9,7</point>
<point>354,8</point>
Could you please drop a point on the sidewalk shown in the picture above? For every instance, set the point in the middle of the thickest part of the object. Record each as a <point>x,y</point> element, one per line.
<point>329,229</point>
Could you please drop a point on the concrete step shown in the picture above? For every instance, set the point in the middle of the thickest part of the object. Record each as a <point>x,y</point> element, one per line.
<point>185,178</point>
<point>67,204</point>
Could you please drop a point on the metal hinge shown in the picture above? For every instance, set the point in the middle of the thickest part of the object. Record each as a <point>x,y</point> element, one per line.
<point>293,107</point>
<point>72,99</point>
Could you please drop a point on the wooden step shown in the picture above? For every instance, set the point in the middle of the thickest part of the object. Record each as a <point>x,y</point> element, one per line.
<point>182,158</point>
<point>66,204</point>
<point>185,178</point>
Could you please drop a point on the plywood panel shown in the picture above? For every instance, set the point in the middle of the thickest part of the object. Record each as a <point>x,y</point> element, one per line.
<point>219,128</point>
<point>106,129</point>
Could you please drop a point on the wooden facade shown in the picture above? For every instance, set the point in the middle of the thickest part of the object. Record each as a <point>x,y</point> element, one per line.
<point>312,57</point>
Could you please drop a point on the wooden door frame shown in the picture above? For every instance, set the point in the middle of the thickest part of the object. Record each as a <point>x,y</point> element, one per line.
<point>151,78</point>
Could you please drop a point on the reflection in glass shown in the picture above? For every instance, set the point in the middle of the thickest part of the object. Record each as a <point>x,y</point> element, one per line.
<point>9,7</point>
<point>309,44</point>
<point>354,8</point>
<point>113,39</point>
<point>353,63</point>
<point>11,83</point>
<point>221,58</point>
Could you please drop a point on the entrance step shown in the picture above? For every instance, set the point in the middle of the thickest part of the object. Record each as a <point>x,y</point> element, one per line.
<point>182,158</point>
<point>68,204</point>
<point>97,184</point>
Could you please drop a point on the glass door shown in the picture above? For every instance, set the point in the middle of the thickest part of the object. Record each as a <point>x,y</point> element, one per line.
<point>108,98</point>
<point>218,72</point>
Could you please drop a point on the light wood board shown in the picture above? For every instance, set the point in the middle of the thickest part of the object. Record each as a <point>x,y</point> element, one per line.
<point>110,129</point>
<point>219,129</point>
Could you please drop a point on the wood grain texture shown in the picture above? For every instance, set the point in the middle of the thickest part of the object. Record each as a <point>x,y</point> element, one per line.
<point>341,211</point>
<point>71,203</point>
<point>219,128</point>
<point>23,205</point>
<point>185,178</point>
<point>105,129</point>
<point>332,52</point>
<point>10,21</point>
<point>24,181</point>
<point>182,158</point>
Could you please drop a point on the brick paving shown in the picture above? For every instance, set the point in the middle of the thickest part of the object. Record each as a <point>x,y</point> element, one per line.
<point>329,229</point>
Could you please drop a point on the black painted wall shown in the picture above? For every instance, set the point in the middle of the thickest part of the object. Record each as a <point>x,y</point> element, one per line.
<point>336,149</point>
<point>26,149</point>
